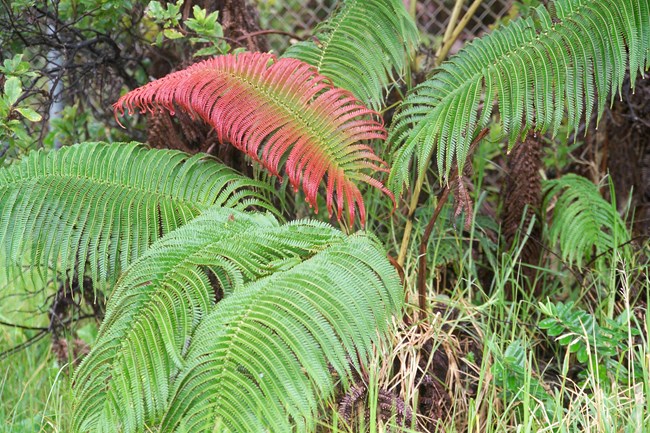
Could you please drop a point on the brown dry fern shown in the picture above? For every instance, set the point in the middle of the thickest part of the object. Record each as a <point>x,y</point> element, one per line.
<point>522,200</point>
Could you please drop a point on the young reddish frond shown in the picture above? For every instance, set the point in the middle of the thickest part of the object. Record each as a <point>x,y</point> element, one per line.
<point>281,113</point>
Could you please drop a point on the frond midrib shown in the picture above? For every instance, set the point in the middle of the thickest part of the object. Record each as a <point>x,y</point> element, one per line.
<point>326,45</point>
<point>35,179</point>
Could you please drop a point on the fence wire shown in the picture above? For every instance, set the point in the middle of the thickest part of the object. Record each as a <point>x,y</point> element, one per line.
<point>301,16</point>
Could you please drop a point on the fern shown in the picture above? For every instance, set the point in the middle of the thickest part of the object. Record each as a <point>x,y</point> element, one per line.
<point>360,57</point>
<point>296,297</point>
<point>262,357</point>
<point>280,112</point>
<point>97,207</point>
<point>569,56</point>
<point>585,224</point>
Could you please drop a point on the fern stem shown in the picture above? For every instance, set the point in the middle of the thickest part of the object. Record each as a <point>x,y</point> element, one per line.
<point>408,227</point>
<point>455,13</point>
<point>457,31</point>
<point>442,199</point>
<point>422,258</point>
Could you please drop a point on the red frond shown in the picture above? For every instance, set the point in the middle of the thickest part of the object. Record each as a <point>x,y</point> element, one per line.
<point>283,114</point>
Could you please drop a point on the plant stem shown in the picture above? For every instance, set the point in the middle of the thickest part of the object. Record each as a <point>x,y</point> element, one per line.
<point>450,26</point>
<point>408,228</point>
<point>442,199</point>
<point>457,31</point>
<point>422,258</point>
<point>409,219</point>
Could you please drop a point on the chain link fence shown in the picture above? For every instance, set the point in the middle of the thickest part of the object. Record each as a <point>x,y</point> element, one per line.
<point>301,16</point>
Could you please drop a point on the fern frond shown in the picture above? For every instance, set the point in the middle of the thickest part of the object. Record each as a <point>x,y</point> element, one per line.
<point>153,316</point>
<point>357,56</point>
<point>569,56</point>
<point>584,223</point>
<point>260,361</point>
<point>97,206</point>
<point>281,113</point>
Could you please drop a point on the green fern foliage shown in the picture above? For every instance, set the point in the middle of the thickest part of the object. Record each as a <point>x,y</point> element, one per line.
<point>297,298</point>
<point>359,57</point>
<point>566,58</point>
<point>584,224</point>
<point>261,360</point>
<point>96,207</point>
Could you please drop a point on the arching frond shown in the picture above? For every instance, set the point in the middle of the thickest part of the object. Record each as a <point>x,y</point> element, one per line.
<point>567,57</point>
<point>161,299</point>
<point>281,113</point>
<point>584,223</point>
<point>358,56</point>
<point>260,361</point>
<point>97,206</point>
<point>153,316</point>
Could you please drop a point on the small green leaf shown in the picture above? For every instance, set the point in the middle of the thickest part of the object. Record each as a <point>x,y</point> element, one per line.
<point>172,34</point>
<point>199,13</point>
<point>29,114</point>
<point>556,330</point>
<point>207,51</point>
<point>582,355</point>
<point>13,89</point>
<point>155,10</point>
<point>547,323</point>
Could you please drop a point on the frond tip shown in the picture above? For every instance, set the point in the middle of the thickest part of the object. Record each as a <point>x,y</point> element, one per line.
<point>359,57</point>
<point>281,113</point>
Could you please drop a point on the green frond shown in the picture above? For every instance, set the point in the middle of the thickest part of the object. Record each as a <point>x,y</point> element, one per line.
<point>584,223</point>
<point>567,58</point>
<point>359,57</point>
<point>261,360</point>
<point>97,206</point>
<point>161,318</point>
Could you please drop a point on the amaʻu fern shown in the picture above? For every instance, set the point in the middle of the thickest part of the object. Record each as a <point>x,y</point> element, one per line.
<point>584,224</point>
<point>298,298</point>
<point>97,207</point>
<point>282,113</point>
<point>567,57</point>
